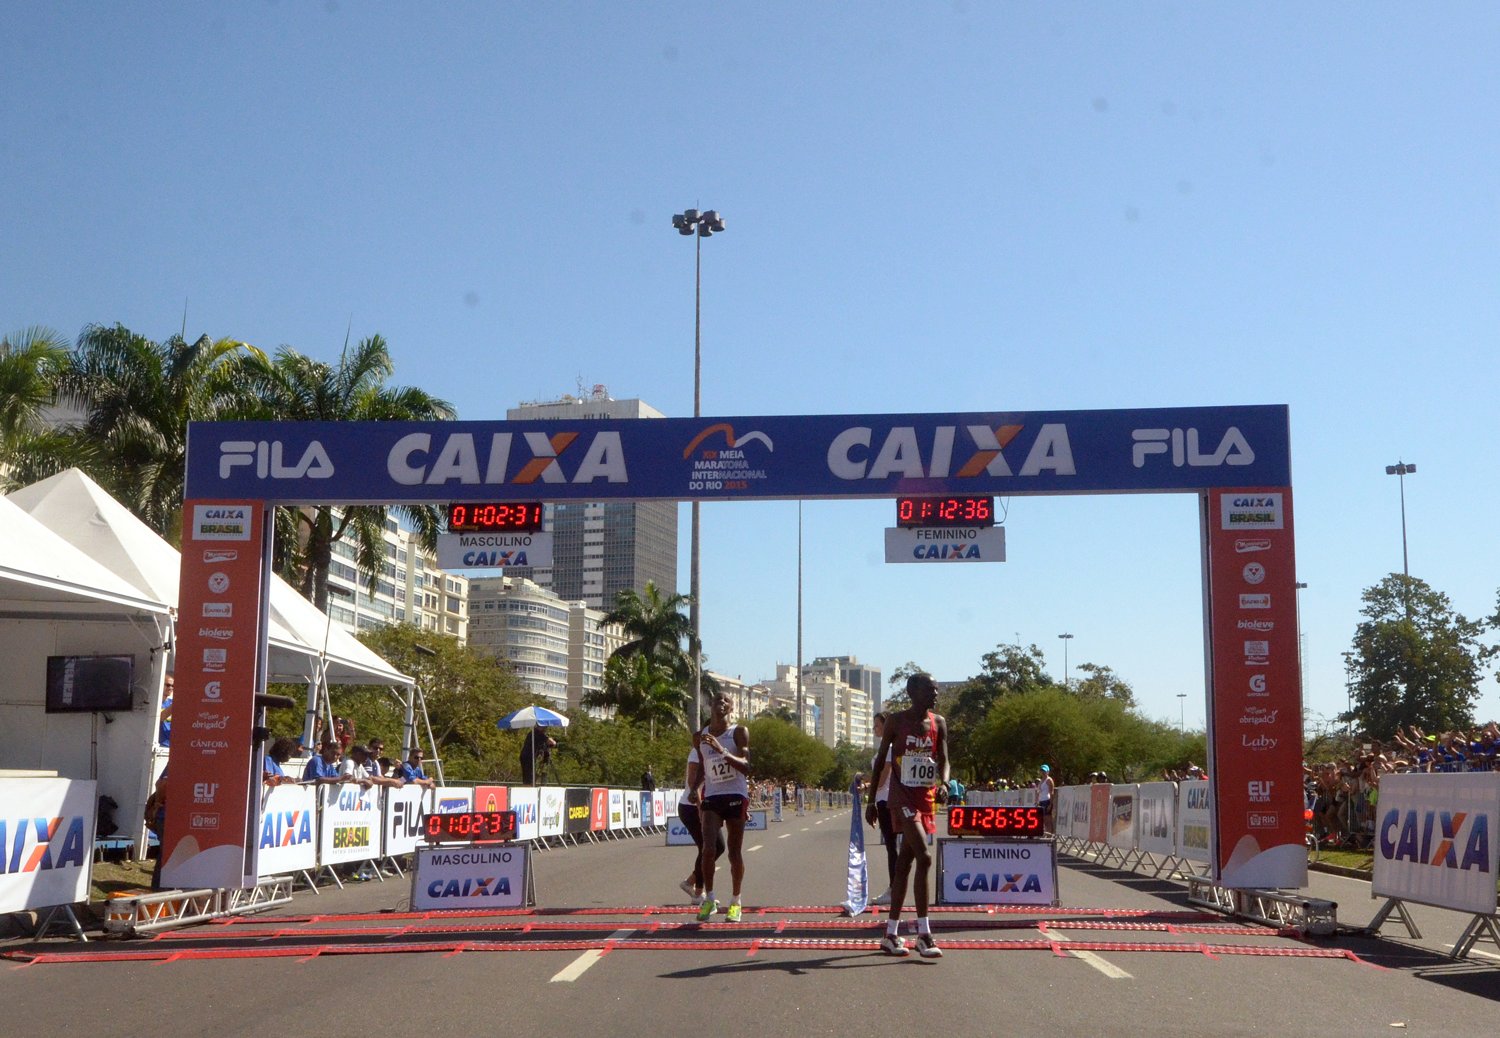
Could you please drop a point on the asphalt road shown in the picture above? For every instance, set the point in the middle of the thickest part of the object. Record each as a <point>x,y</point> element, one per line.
<point>546,981</point>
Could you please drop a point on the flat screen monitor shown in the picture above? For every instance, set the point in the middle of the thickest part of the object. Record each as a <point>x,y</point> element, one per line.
<point>84,684</point>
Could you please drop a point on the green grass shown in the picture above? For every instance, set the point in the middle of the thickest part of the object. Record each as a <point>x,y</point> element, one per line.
<point>1361,860</point>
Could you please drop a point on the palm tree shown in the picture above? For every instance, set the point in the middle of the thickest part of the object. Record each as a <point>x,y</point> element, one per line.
<point>296,388</point>
<point>641,688</point>
<point>138,397</point>
<point>30,362</point>
<point>657,626</point>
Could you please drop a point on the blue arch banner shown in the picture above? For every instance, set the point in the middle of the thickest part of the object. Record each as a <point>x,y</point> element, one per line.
<point>743,457</point>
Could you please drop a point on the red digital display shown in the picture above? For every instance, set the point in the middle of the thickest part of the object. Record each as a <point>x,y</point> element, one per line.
<point>466,826</point>
<point>520,516</point>
<point>958,510</point>
<point>994,821</point>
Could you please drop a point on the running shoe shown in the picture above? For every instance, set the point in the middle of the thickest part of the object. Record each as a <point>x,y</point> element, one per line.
<point>707,909</point>
<point>734,913</point>
<point>927,947</point>
<point>690,890</point>
<point>883,899</point>
<point>892,944</point>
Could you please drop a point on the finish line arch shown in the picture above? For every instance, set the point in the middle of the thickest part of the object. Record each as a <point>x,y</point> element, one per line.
<point>1237,460</point>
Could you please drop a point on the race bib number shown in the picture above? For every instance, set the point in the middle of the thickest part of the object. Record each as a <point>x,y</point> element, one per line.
<point>917,770</point>
<point>719,771</point>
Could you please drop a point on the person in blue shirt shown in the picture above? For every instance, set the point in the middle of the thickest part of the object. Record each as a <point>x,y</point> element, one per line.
<point>323,768</point>
<point>164,722</point>
<point>280,752</point>
<point>411,770</point>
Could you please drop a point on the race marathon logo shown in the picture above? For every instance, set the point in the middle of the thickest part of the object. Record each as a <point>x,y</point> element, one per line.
<point>728,467</point>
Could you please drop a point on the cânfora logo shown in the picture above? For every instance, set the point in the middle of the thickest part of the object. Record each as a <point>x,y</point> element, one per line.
<point>270,462</point>
<point>413,462</point>
<point>1233,448</point>
<point>901,453</point>
<point>1434,838</point>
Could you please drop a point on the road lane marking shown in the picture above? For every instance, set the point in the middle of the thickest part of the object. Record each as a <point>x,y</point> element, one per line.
<point>783,836</point>
<point>757,847</point>
<point>578,966</point>
<point>1104,966</point>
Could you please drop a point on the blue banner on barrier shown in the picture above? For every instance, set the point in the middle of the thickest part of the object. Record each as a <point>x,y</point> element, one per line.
<point>859,876</point>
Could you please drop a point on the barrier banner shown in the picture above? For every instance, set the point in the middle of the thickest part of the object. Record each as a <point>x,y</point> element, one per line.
<point>1156,818</point>
<point>1072,807</point>
<point>996,872</point>
<point>288,830</point>
<point>464,878</point>
<point>46,841</point>
<point>576,811</point>
<point>349,824</point>
<point>776,804</point>
<point>1122,817</point>
<point>452,800</point>
<point>631,802</point>
<point>550,811</point>
<point>1195,821</point>
<point>523,801</point>
<point>857,882</point>
<point>1099,812</point>
<point>1435,840</point>
<point>756,821</point>
<point>616,809</point>
<point>677,833</point>
<point>658,807</point>
<point>406,811</point>
<point>492,798</point>
<point>598,809</point>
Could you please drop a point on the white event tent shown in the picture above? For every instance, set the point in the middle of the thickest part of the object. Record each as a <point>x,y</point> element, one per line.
<point>125,569</point>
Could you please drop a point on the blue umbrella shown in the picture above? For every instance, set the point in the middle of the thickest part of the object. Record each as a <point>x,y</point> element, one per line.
<point>532,717</point>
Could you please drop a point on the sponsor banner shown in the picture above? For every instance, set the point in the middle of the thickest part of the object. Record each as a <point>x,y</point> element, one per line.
<point>523,801</point>
<point>452,800</point>
<point>783,456</point>
<point>288,830</point>
<point>677,833</point>
<point>756,821</point>
<point>671,798</point>
<point>1255,698</point>
<point>598,809</point>
<point>491,798</point>
<point>349,824</point>
<point>616,809</point>
<point>576,811</point>
<point>493,550</point>
<point>219,646</point>
<point>632,805</point>
<point>658,807</point>
<point>996,872</point>
<point>1099,797</point>
<point>1156,817</point>
<point>46,841</point>
<point>406,811</point>
<point>1122,816</point>
<point>945,544</point>
<point>1068,821</point>
<point>1435,840</point>
<point>1195,821</point>
<point>550,811</point>
<point>469,878</point>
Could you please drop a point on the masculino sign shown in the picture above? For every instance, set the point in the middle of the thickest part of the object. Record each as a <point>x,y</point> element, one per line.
<point>788,456</point>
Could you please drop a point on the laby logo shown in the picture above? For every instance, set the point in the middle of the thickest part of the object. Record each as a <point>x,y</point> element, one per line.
<point>1249,544</point>
<point>1260,742</point>
<point>1260,790</point>
<point>999,882</point>
<point>1255,601</point>
<point>1185,449</point>
<point>1253,573</point>
<point>34,845</point>
<point>1258,685</point>
<point>205,792</point>
<point>461,459</point>
<point>1435,837</point>
<point>906,454</point>
<point>270,461</point>
<point>729,438</point>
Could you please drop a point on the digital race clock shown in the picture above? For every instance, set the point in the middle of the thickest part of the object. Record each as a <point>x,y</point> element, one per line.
<point>964,820</point>
<point>520,516</point>
<point>957,510</point>
<point>467,826</point>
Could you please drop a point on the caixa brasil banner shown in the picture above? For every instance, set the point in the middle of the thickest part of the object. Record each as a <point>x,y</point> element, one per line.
<point>1435,840</point>
<point>746,457</point>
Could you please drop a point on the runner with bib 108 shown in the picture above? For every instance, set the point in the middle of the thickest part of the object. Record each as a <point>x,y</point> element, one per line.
<point>916,746</point>
<point>725,750</point>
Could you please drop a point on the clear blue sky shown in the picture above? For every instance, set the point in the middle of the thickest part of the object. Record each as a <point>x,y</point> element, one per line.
<point>957,207</point>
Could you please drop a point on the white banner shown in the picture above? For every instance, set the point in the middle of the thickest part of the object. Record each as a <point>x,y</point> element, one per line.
<point>1071,812</point>
<point>46,841</point>
<point>945,544</point>
<point>493,550</point>
<point>996,872</point>
<point>550,811</point>
<point>1122,816</point>
<point>1194,821</point>
<point>406,810</point>
<point>523,801</point>
<point>1435,840</point>
<point>349,826</point>
<point>658,807</point>
<point>1156,814</point>
<point>632,809</point>
<point>288,830</point>
<point>453,800</point>
<point>467,878</point>
<point>616,809</point>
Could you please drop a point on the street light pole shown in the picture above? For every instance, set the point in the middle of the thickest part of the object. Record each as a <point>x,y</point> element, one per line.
<point>1181,713</point>
<point>701,225</point>
<point>1066,638</point>
<point>1400,471</point>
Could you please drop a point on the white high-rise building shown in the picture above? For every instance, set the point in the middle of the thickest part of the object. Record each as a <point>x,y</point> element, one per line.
<point>834,710</point>
<point>408,589</point>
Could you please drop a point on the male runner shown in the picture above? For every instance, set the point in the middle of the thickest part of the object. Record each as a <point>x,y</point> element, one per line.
<point>916,742</point>
<point>725,750</point>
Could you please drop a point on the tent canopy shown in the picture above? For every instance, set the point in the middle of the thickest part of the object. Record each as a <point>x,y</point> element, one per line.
<point>133,559</point>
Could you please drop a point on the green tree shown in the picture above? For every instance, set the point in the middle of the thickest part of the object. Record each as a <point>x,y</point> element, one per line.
<point>1100,682</point>
<point>897,699</point>
<point>641,688</point>
<point>778,751</point>
<point>295,388</point>
<point>1414,660</point>
<point>139,397</point>
<point>31,362</point>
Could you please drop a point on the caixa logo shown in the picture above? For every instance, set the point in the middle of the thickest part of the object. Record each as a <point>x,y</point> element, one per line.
<point>1183,446</point>
<point>40,844</point>
<point>999,882</point>
<point>270,461</point>
<point>1437,838</point>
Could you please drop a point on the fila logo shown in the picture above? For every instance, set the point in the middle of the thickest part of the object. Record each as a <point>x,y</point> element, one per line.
<point>269,460</point>
<point>1233,448</point>
<point>1260,791</point>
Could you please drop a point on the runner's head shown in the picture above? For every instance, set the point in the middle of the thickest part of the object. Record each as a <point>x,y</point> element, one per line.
<point>723,706</point>
<point>921,690</point>
<point>880,726</point>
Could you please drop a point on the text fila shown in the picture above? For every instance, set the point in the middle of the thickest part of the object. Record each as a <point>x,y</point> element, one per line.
<point>1233,448</point>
